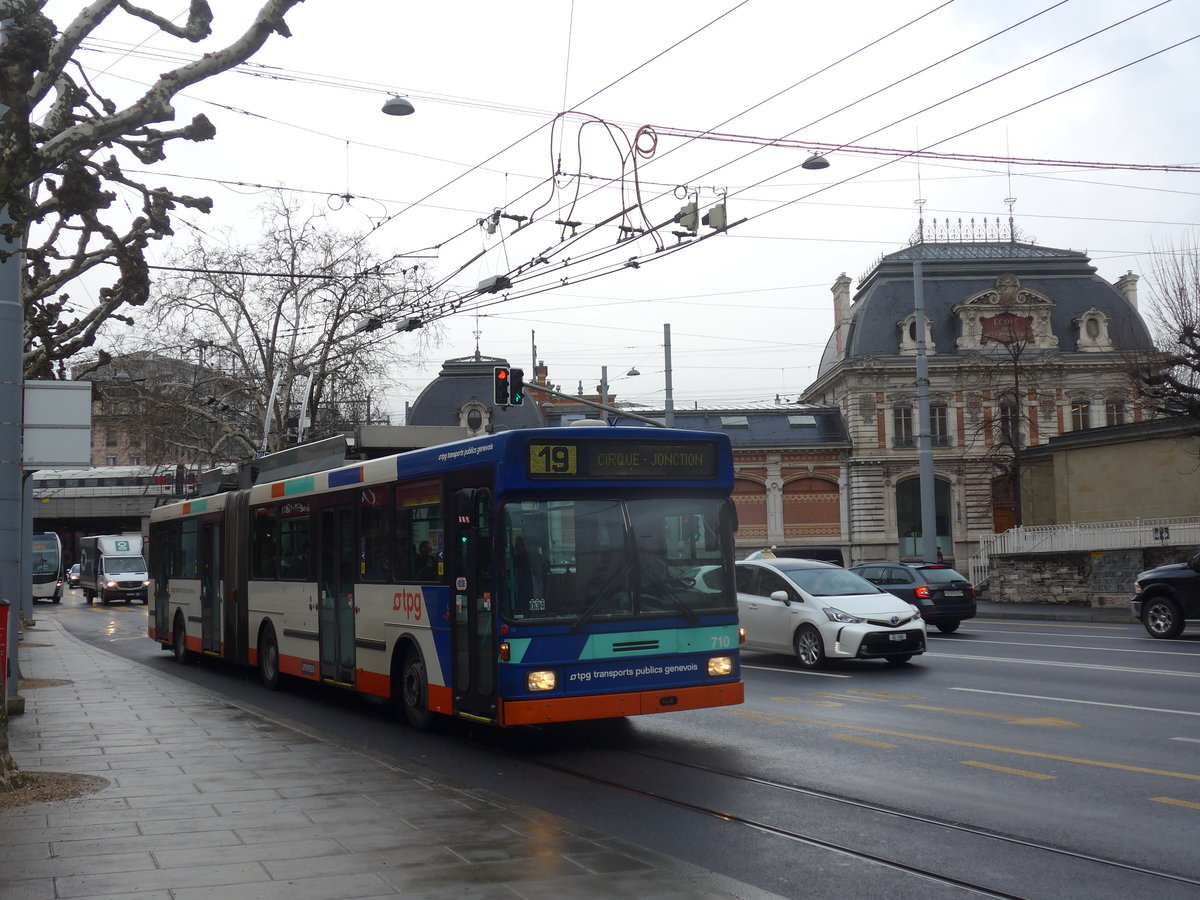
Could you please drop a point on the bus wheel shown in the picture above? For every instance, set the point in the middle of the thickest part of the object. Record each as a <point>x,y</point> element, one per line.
<point>268,658</point>
<point>414,693</point>
<point>179,641</point>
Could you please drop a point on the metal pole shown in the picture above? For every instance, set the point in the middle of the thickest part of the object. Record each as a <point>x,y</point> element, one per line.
<point>604,385</point>
<point>12,331</point>
<point>669,406</point>
<point>925,442</point>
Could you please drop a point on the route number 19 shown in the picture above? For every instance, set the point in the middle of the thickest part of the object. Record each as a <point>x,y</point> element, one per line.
<point>552,459</point>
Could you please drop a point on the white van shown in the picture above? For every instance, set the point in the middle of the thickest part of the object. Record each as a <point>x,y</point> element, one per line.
<point>112,567</point>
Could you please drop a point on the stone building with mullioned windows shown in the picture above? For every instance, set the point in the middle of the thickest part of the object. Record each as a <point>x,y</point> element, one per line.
<point>1023,343</point>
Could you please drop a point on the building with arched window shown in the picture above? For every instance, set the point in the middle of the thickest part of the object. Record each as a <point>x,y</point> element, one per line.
<point>1023,343</point>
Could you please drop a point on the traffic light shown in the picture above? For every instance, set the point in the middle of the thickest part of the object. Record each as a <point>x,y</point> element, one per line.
<point>516,386</point>
<point>687,216</point>
<point>500,385</point>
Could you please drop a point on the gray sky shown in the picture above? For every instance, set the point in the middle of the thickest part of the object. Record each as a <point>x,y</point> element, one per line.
<point>749,310</point>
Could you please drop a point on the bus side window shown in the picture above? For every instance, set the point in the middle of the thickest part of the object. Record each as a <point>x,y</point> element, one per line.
<point>376,530</point>
<point>264,558</point>
<point>295,562</point>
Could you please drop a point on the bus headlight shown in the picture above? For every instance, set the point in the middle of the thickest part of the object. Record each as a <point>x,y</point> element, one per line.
<point>545,680</point>
<point>720,666</point>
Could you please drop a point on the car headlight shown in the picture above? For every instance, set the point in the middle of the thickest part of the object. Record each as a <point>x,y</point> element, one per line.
<point>836,615</point>
<point>110,584</point>
<point>720,666</point>
<point>542,680</point>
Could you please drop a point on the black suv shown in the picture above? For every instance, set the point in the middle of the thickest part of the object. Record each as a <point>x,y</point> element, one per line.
<point>1166,597</point>
<point>944,596</point>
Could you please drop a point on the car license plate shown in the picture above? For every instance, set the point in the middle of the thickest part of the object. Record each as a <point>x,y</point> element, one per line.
<point>952,593</point>
<point>897,637</point>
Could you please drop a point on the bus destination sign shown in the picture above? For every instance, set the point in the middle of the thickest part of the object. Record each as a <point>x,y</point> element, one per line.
<point>615,460</point>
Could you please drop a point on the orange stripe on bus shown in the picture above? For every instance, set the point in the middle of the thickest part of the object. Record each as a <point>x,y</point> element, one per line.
<point>441,699</point>
<point>612,706</point>
<point>291,665</point>
<point>373,683</point>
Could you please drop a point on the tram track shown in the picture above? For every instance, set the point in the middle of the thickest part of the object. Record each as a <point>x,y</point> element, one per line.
<point>1097,877</point>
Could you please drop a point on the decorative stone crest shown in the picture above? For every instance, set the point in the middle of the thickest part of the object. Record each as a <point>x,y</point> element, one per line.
<point>1004,316</point>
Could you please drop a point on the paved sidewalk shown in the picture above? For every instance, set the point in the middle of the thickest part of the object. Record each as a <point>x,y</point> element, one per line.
<point>210,800</point>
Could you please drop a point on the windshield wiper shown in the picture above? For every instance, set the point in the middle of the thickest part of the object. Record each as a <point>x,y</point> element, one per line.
<point>601,597</point>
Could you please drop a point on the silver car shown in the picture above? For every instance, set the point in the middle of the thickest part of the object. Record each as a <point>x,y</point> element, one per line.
<point>821,611</point>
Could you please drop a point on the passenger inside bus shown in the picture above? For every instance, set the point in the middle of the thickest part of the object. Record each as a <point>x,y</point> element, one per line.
<point>426,569</point>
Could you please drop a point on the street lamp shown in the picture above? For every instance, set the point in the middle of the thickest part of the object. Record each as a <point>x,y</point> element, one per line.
<point>604,381</point>
<point>398,106</point>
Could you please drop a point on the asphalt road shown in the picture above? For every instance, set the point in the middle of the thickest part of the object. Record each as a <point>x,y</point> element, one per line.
<point>1021,759</point>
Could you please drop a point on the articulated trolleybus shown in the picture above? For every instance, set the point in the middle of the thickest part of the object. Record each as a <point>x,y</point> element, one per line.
<point>520,578</point>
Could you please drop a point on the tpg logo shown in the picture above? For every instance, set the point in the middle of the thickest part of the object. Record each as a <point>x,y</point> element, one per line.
<point>412,602</point>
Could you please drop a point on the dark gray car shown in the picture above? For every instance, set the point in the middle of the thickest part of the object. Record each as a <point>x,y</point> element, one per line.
<point>944,596</point>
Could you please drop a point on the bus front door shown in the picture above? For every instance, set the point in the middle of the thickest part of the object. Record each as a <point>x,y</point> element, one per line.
<point>210,587</point>
<point>473,600</point>
<point>335,602</point>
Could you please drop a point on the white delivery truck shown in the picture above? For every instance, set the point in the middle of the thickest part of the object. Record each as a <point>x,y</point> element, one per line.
<point>112,567</point>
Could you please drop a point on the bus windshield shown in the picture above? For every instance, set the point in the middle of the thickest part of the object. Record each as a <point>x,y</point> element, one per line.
<point>577,560</point>
<point>46,560</point>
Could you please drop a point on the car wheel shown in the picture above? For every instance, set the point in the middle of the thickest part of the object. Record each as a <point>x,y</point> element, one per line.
<point>810,651</point>
<point>268,658</point>
<point>1162,618</point>
<point>179,641</point>
<point>948,627</point>
<point>901,659</point>
<point>414,693</point>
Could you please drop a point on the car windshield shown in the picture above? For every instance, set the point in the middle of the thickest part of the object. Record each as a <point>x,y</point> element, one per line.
<point>577,560</point>
<point>121,565</point>
<point>830,582</point>
<point>935,575</point>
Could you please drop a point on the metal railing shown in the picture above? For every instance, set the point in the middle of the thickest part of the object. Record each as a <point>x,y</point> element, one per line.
<point>1119,535</point>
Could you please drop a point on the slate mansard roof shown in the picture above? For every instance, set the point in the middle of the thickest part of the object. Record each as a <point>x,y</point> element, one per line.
<point>952,273</point>
<point>459,382</point>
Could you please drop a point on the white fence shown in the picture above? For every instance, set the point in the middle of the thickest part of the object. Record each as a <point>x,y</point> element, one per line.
<point>1121,535</point>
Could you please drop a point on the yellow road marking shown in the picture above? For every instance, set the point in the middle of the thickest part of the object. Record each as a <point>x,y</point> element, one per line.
<point>883,694</point>
<point>1171,802</point>
<point>1011,720</point>
<point>759,717</point>
<point>858,740</point>
<point>1007,771</point>
<point>848,696</point>
<point>1032,754</point>
<point>825,703</point>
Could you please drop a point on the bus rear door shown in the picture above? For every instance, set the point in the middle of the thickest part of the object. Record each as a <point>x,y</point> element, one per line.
<point>335,580</point>
<point>209,564</point>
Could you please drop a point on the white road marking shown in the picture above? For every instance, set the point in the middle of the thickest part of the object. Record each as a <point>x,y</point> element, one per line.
<point>1176,712</point>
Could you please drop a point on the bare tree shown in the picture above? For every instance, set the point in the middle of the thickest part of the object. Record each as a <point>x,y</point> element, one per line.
<point>307,325</point>
<point>1170,377</point>
<point>1010,378</point>
<point>57,178</point>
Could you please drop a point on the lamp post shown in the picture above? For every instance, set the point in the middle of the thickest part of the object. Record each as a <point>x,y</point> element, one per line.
<point>604,382</point>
